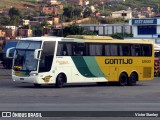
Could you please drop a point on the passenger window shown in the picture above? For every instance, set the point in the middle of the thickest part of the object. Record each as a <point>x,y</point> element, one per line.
<point>124,50</point>
<point>114,50</point>
<point>79,49</point>
<point>136,50</point>
<point>146,50</point>
<point>95,49</point>
<point>64,49</point>
<point>107,50</point>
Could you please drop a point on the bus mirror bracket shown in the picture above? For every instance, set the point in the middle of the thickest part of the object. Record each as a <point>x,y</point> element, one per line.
<point>37,53</point>
<point>8,52</point>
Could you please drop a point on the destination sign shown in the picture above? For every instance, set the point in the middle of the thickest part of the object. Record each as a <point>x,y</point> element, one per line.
<point>144,21</point>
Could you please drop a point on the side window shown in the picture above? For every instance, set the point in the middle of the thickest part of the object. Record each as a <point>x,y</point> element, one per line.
<point>95,49</point>
<point>147,50</point>
<point>79,49</point>
<point>136,50</point>
<point>47,56</point>
<point>114,49</point>
<point>107,51</point>
<point>124,50</point>
<point>64,49</point>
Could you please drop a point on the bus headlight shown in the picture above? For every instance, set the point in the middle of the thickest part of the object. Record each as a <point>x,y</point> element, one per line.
<point>33,74</point>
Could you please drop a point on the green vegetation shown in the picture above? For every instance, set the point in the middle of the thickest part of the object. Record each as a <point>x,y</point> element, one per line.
<point>77,30</point>
<point>121,35</point>
<point>13,18</point>
<point>6,4</point>
<point>25,6</point>
<point>132,4</point>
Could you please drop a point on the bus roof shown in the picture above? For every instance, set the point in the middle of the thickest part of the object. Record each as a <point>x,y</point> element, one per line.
<point>86,38</point>
<point>89,37</point>
<point>43,38</point>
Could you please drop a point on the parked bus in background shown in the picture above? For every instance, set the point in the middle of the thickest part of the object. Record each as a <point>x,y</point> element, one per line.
<point>82,59</point>
<point>7,62</point>
<point>157,60</point>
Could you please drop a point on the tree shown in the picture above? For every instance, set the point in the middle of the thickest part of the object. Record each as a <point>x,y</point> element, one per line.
<point>77,12</point>
<point>121,35</point>
<point>76,30</point>
<point>68,12</point>
<point>4,20</point>
<point>14,12</point>
<point>87,12</point>
<point>15,16</point>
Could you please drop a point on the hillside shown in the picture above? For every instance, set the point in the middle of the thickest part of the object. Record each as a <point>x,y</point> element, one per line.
<point>20,4</point>
<point>115,6</point>
<point>109,6</point>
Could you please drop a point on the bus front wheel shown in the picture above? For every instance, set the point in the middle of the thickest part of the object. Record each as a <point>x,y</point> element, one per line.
<point>133,79</point>
<point>123,78</point>
<point>59,81</point>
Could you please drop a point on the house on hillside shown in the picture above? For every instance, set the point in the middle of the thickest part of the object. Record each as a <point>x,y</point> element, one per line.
<point>24,32</point>
<point>117,0</point>
<point>78,2</point>
<point>122,14</point>
<point>49,10</point>
<point>25,22</point>
<point>53,2</point>
<point>2,33</point>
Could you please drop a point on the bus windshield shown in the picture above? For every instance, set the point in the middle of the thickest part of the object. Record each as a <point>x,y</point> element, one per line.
<point>24,56</point>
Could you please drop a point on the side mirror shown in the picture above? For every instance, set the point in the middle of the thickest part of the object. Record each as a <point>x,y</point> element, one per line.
<point>37,53</point>
<point>8,52</point>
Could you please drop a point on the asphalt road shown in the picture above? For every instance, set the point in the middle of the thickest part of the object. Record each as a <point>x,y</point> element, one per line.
<point>145,96</point>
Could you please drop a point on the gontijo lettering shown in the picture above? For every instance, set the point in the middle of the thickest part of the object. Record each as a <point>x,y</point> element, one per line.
<point>118,61</point>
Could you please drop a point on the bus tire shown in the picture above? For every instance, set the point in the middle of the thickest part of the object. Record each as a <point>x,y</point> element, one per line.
<point>37,85</point>
<point>123,78</point>
<point>133,79</point>
<point>59,81</point>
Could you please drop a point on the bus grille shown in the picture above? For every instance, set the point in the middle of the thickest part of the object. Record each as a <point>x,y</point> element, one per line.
<point>147,72</point>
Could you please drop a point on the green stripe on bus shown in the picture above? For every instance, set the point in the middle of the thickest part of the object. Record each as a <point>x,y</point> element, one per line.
<point>82,66</point>
<point>93,66</point>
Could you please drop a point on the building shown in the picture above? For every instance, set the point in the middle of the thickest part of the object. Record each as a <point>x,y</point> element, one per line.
<point>10,33</point>
<point>49,10</point>
<point>78,2</point>
<point>24,32</point>
<point>25,22</point>
<point>53,2</point>
<point>122,14</point>
<point>146,28</point>
<point>116,0</point>
<point>108,29</point>
<point>11,27</point>
<point>2,33</point>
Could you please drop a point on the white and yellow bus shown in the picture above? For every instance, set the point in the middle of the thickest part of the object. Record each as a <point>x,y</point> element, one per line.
<point>82,59</point>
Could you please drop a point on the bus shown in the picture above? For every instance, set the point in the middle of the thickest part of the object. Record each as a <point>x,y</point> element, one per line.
<point>82,59</point>
<point>157,60</point>
<point>7,62</point>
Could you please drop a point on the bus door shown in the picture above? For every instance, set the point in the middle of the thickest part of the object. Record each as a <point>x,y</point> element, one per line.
<point>46,60</point>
